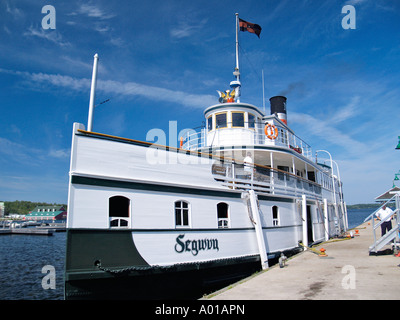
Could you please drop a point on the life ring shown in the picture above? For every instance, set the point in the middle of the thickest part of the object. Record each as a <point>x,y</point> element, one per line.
<point>271,131</point>
<point>181,143</point>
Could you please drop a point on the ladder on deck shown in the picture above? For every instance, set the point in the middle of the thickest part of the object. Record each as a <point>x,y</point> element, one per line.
<point>392,234</point>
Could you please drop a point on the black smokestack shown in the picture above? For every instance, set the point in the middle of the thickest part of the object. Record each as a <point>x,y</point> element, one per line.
<point>278,107</point>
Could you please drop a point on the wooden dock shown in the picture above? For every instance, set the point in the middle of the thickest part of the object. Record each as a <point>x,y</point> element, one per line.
<point>349,272</point>
<point>29,231</point>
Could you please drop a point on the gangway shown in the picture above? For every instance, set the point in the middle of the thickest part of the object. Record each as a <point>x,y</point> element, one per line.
<point>254,212</point>
<point>393,234</point>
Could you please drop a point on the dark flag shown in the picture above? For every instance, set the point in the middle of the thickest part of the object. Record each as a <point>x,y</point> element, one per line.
<point>250,27</point>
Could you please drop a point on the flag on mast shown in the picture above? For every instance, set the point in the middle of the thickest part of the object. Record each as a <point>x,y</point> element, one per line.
<point>250,27</point>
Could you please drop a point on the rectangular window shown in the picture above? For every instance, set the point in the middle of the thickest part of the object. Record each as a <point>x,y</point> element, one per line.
<point>275,216</point>
<point>281,175</point>
<point>220,120</point>
<point>209,124</point>
<point>222,215</point>
<point>181,214</point>
<point>118,211</point>
<point>238,119</point>
<point>252,120</point>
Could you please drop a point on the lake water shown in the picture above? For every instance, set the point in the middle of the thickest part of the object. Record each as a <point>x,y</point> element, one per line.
<point>22,258</point>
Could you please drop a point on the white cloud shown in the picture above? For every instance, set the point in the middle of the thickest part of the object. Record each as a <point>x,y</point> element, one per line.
<point>60,153</point>
<point>119,88</point>
<point>348,111</point>
<point>186,28</point>
<point>94,12</point>
<point>50,35</point>
<point>60,80</point>
<point>13,10</point>
<point>326,131</point>
<point>156,93</point>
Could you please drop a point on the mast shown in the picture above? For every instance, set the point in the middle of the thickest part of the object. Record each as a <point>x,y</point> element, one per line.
<point>92,93</point>
<point>235,85</point>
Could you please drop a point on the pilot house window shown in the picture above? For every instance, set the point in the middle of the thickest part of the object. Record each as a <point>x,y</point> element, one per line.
<point>252,120</point>
<point>220,120</point>
<point>118,211</point>
<point>237,119</point>
<point>210,123</point>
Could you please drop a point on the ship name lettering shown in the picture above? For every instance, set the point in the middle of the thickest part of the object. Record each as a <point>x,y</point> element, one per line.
<point>195,246</point>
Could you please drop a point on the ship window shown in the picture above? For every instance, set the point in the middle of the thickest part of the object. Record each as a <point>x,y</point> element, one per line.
<point>222,213</point>
<point>220,120</point>
<point>275,216</point>
<point>118,211</point>
<point>252,119</point>
<point>238,119</point>
<point>311,175</point>
<point>209,123</point>
<point>282,134</point>
<point>181,214</point>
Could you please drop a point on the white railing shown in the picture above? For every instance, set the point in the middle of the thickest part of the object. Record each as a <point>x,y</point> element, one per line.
<point>265,180</point>
<point>193,140</point>
<point>393,234</point>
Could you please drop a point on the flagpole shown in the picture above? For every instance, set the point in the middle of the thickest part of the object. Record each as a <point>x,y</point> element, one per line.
<point>236,84</point>
<point>237,44</point>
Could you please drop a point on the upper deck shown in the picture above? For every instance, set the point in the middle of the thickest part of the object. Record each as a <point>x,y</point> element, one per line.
<point>243,125</point>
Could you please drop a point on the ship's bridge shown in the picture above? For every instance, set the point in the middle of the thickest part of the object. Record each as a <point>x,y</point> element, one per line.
<point>238,125</point>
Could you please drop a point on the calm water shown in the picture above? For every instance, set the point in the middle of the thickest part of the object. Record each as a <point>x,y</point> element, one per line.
<point>22,258</point>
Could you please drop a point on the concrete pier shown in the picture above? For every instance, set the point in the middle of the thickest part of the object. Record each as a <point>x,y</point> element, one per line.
<point>347,273</point>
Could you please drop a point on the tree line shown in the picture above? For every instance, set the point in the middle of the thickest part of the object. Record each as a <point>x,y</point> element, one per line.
<point>24,207</point>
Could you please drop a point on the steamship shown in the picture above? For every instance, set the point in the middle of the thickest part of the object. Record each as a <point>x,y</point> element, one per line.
<point>149,221</point>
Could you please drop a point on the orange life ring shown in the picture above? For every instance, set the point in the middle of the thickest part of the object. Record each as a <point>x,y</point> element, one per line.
<point>181,143</point>
<point>271,131</point>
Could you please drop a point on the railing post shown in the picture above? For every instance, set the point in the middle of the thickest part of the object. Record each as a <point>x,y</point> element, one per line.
<point>326,220</point>
<point>304,218</point>
<point>233,175</point>
<point>373,230</point>
<point>397,200</point>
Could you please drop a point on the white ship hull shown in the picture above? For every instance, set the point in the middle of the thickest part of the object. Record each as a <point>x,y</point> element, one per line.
<point>143,244</point>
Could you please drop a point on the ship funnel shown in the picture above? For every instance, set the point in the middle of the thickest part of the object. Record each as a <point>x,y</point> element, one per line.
<point>278,107</point>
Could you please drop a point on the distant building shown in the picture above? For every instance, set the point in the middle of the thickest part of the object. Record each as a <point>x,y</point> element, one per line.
<point>47,213</point>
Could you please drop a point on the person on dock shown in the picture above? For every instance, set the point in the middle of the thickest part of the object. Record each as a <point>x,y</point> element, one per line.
<point>384,214</point>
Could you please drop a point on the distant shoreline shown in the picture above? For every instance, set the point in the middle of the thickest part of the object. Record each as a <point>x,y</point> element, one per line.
<point>366,206</point>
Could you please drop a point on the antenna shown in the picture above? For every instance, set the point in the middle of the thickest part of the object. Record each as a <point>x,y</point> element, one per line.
<point>263,90</point>
<point>101,103</point>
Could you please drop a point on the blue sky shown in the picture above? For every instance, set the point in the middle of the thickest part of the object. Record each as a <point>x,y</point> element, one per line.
<point>163,61</point>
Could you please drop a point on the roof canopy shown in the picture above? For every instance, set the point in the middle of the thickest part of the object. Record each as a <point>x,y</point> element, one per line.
<point>387,195</point>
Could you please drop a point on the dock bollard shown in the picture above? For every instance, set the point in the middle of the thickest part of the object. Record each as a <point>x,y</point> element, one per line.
<point>322,253</point>
<point>282,260</point>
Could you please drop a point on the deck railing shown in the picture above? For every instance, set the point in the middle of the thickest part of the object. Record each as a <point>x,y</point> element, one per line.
<point>194,140</point>
<point>264,180</point>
